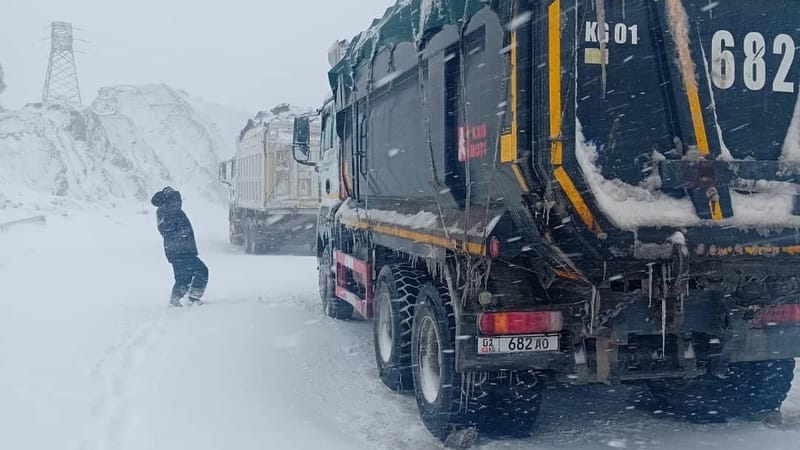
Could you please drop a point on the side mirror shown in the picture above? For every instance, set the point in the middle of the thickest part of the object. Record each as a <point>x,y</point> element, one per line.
<point>301,142</point>
<point>225,176</point>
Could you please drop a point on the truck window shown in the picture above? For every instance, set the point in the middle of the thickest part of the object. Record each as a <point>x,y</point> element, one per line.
<point>475,42</point>
<point>328,133</point>
<point>331,131</point>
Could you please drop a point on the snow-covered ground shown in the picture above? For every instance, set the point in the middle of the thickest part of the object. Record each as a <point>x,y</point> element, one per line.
<point>91,358</point>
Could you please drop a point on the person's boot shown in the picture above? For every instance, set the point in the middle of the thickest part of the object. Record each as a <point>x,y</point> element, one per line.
<point>195,295</point>
<point>175,302</point>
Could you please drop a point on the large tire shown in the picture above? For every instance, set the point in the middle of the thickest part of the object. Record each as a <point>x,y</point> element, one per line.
<point>500,404</point>
<point>249,245</point>
<point>746,390</point>
<point>266,243</point>
<point>395,293</point>
<point>257,240</point>
<point>331,305</point>
<point>233,236</point>
<point>507,403</point>
<point>253,244</point>
<point>437,385</point>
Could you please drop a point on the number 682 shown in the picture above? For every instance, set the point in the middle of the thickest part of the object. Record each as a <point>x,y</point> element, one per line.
<point>754,66</point>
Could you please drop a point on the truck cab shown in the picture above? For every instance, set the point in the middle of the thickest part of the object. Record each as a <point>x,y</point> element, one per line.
<point>328,166</point>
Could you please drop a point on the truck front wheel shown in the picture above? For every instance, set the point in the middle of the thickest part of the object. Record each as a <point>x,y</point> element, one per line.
<point>745,390</point>
<point>331,305</point>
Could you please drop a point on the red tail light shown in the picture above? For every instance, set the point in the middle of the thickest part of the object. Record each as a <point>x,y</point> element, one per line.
<point>778,315</point>
<point>495,250</point>
<point>532,322</point>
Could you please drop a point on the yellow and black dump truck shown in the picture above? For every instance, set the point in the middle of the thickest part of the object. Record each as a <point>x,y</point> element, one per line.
<point>524,192</point>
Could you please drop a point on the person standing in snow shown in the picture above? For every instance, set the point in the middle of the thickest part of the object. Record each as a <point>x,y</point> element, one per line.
<point>191,275</point>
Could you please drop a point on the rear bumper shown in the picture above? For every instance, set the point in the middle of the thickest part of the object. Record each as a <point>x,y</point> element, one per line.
<point>281,230</point>
<point>637,357</point>
<point>292,224</point>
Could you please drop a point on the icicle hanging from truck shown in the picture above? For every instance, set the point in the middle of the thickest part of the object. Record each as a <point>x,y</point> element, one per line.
<point>593,306</point>
<point>664,296</point>
<point>650,284</point>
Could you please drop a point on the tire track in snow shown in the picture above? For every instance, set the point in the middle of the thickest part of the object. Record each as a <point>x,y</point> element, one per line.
<point>380,418</point>
<point>112,375</point>
<point>791,407</point>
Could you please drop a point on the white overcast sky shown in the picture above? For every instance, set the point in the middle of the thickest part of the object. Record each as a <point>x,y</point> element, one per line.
<point>247,54</point>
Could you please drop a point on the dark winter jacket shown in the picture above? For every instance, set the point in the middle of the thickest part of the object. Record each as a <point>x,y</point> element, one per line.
<point>173,225</point>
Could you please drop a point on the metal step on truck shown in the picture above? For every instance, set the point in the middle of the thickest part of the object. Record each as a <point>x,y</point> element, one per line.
<point>528,192</point>
<point>273,201</point>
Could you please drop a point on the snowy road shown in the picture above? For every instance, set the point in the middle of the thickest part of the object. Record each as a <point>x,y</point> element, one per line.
<point>91,358</point>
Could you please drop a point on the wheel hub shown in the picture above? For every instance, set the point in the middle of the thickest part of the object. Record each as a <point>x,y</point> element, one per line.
<point>385,337</point>
<point>430,360</point>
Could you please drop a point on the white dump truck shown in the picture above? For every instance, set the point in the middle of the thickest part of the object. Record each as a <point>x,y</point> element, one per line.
<point>273,202</point>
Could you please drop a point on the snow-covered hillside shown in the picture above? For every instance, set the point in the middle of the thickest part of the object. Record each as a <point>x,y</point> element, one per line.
<point>131,141</point>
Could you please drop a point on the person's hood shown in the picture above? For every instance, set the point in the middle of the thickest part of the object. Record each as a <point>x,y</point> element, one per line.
<point>167,198</point>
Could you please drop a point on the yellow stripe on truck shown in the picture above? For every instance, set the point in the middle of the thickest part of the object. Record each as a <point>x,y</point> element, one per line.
<point>415,236</point>
<point>577,200</point>
<point>557,145</point>
<point>716,210</point>
<point>508,142</point>
<point>678,26</point>
<point>697,118</point>
<point>520,178</point>
<point>554,61</point>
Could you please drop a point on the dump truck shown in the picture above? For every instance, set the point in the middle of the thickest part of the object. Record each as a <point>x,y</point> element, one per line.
<point>522,193</point>
<point>273,202</point>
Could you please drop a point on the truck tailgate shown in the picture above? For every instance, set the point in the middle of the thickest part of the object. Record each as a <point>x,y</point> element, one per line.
<point>686,112</point>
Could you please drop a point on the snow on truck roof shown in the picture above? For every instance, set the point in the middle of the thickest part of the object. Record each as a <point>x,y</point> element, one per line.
<point>282,112</point>
<point>411,21</point>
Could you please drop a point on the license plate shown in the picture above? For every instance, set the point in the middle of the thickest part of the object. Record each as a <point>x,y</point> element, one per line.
<point>517,344</point>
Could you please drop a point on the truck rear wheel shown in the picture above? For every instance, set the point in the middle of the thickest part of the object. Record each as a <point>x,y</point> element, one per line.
<point>395,294</point>
<point>249,237</point>
<point>437,385</point>
<point>507,403</point>
<point>253,241</point>
<point>499,404</point>
<point>235,238</point>
<point>746,390</point>
<point>331,305</point>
